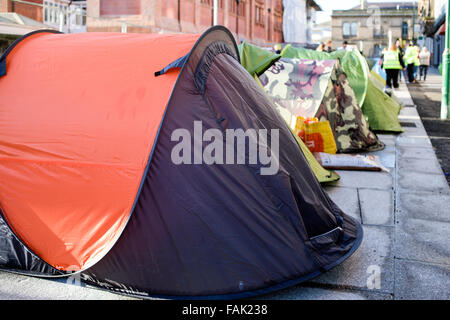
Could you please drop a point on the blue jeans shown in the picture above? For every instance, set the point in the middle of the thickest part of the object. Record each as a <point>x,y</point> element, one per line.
<point>423,70</point>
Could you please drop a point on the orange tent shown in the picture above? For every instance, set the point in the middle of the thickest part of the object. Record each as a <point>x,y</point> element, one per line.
<point>89,184</point>
<point>82,137</point>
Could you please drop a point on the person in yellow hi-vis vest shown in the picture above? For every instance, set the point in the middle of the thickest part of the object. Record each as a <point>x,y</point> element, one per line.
<point>411,56</point>
<point>392,64</point>
<point>416,62</point>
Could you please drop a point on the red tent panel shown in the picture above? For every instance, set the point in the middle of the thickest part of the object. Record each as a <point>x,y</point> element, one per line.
<point>73,149</point>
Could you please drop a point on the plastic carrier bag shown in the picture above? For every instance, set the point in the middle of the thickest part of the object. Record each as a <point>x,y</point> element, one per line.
<point>316,135</point>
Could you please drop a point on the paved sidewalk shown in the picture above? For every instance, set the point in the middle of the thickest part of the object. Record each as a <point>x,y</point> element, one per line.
<point>427,96</point>
<point>405,253</point>
<point>406,223</point>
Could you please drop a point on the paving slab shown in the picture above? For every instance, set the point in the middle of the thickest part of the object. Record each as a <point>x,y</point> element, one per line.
<point>386,158</point>
<point>19,287</point>
<point>419,130</point>
<point>387,139</point>
<point>424,153</point>
<point>307,293</point>
<point>409,180</point>
<point>432,206</point>
<point>420,166</point>
<point>377,206</point>
<point>409,110</point>
<point>423,240</point>
<point>403,95</point>
<point>413,141</point>
<point>421,281</point>
<point>346,199</point>
<point>375,253</point>
<point>365,179</point>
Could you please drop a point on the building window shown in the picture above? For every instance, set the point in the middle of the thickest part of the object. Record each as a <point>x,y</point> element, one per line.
<point>404,29</point>
<point>259,15</point>
<point>278,24</point>
<point>378,31</point>
<point>71,18</point>
<point>349,29</point>
<point>354,29</point>
<point>46,12</point>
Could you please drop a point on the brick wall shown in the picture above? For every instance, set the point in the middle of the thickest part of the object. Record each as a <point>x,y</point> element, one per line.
<point>192,16</point>
<point>28,10</point>
<point>5,5</point>
<point>120,7</point>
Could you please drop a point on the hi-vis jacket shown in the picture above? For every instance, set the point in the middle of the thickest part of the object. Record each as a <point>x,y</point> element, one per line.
<point>411,55</point>
<point>392,60</point>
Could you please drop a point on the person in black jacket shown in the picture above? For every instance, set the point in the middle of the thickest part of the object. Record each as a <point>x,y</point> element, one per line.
<point>401,51</point>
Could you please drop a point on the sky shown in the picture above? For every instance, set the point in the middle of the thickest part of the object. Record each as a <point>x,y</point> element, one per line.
<point>328,6</point>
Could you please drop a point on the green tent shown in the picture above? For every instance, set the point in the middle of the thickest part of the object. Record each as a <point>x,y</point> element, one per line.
<point>380,109</point>
<point>257,60</point>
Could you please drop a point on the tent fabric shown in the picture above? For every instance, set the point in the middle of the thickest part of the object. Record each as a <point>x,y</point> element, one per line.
<point>351,62</point>
<point>378,80</point>
<point>381,110</point>
<point>196,231</point>
<point>256,61</point>
<point>322,174</point>
<point>319,88</point>
<point>381,116</point>
<point>60,139</point>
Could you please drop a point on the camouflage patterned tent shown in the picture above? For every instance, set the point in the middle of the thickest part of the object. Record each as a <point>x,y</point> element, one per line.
<point>352,62</point>
<point>380,110</point>
<point>319,88</point>
<point>256,61</point>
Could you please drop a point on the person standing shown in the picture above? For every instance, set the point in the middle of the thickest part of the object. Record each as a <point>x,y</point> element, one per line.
<point>321,47</point>
<point>424,57</point>
<point>400,50</point>
<point>329,46</point>
<point>416,62</point>
<point>344,46</point>
<point>392,64</point>
<point>410,56</point>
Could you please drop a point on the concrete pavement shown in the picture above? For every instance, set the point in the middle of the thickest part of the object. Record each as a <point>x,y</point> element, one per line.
<point>405,253</point>
<point>427,96</point>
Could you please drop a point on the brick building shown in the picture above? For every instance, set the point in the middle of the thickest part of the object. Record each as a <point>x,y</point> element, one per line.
<point>28,10</point>
<point>66,15</point>
<point>256,21</point>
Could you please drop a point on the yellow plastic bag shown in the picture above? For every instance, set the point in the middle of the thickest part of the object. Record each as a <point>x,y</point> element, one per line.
<point>316,135</point>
